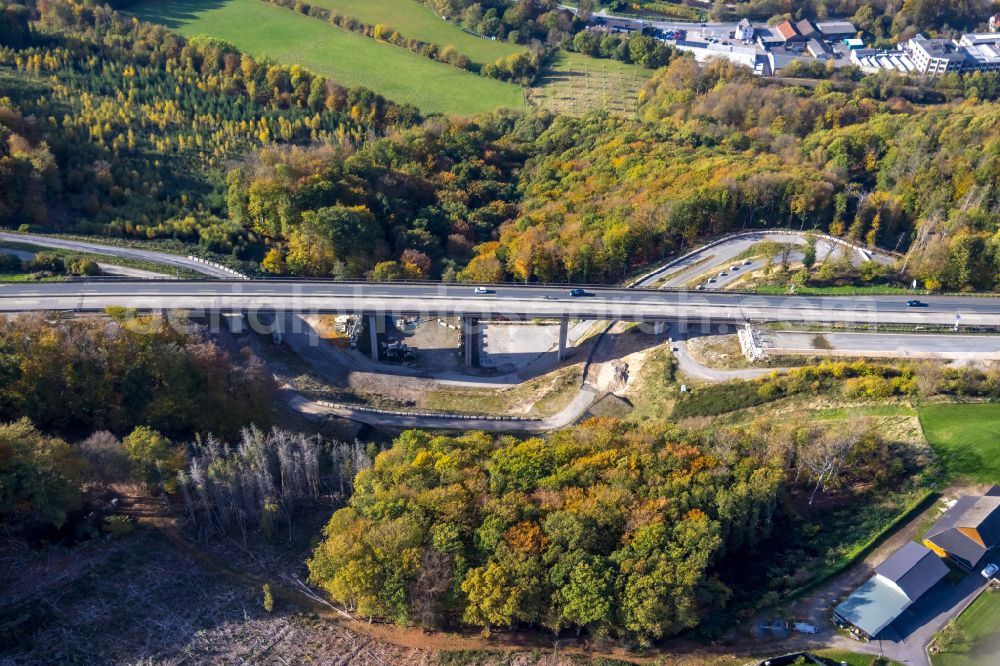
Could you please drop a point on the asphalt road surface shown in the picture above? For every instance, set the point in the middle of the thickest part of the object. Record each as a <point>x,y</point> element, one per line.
<point>504,301</point>
<point>165,258</point>
<point>896,345</point>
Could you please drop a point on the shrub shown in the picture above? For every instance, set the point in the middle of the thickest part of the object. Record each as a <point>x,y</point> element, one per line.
<point>84,266</point>
<point>268,598</point>
<point>118,525</point>
<point>10,263</point>
<point>47,261</point>
<point>722,398</point>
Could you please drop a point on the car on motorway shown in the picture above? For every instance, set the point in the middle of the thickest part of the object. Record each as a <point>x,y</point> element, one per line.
<point>723,274</point>
<point>914,303</point>
<point>483,290</point>
<point>990,571</point>
<point>734,268</point>
<point>711,280</point>
<point>747,262</point>
<point>577,292</point>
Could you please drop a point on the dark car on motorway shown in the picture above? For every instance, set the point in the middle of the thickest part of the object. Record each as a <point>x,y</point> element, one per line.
<point>915,304</point>
<point>577,292</point>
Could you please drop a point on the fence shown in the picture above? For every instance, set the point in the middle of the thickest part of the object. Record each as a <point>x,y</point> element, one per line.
<point>432,415</point>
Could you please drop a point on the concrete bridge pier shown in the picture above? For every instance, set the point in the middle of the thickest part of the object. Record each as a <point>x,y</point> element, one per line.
<point>563,334</point>
<point>278,328</point>
<point>374,323</point>
<point>659,327</point>
<point>472,341</point>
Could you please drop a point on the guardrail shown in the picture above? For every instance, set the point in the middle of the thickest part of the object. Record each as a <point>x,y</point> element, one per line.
<point>227,269</point>
<point>863,251</point>
<point>431,415</point>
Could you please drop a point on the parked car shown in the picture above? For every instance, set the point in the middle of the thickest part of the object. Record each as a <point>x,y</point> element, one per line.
<point>483,290</point>
<point>990,571</point>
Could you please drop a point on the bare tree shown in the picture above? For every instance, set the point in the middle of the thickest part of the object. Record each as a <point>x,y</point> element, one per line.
<point>106,458</point>
<point>433,580</point>
<point>237,487</point>
<point>823,456</point>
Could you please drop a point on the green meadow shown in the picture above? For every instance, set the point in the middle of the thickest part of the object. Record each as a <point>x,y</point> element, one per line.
<point>415,21</point>
<point>966,438</point>
<point>264,30</point>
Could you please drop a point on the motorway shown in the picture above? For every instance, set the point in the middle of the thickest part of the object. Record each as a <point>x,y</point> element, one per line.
<point>504,301</point>
<point>151,256</point>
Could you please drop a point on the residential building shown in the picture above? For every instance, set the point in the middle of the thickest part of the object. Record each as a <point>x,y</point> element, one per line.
<point>897,584</point>
<point>744,31</point>
<point>934,57</point>
<point>836,30</point>
<point>969,530</point>
<point>787,31</point>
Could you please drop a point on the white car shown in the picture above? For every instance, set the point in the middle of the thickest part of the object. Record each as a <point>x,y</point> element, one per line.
<point>482,290</point>
<point>990,571</point>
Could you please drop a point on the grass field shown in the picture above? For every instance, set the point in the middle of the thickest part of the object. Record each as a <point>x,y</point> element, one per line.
<point>966,438</point>
<point>575,84</point>
<point>855,659</point>
<point>415,21</point>
<point>262,29</point>
<point>978,643</point>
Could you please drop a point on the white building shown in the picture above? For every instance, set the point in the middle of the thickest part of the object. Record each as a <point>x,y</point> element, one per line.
<point>744,31</point>
<point>979,38</point>
<point>983,57</point>
<point>870,61</point>
<point>741,55</point>
<point>934,57</point>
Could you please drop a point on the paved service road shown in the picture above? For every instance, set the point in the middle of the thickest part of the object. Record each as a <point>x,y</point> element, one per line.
<point>165,258</point>
<point>891,345</point>
<point>505,301</point>
<point>721,254</point>
<point>567,416</point>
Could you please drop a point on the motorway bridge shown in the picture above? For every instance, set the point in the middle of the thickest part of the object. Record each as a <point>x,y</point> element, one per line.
<point>255,297</point>
<point>501,302</point>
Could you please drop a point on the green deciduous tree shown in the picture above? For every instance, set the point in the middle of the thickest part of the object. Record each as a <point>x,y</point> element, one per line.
<point>39,476</point>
